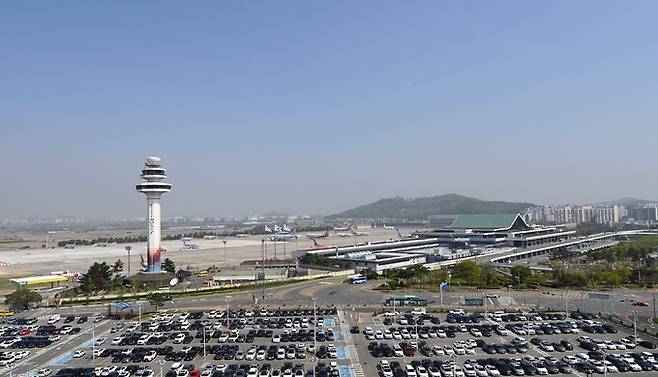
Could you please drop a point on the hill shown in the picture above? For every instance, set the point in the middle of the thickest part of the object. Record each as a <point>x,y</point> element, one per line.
<point>420,208</point>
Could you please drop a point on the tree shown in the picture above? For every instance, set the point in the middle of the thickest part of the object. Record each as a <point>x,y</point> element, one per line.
<point>521,274</point>
<point>169,266</point>
<point>468,272</point>
<point>22,299</point>
<point>97,278</point>
<point>118,266</point>
<point>156,299</point>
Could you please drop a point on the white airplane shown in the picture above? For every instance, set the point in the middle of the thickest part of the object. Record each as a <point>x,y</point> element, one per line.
<point>209,237</point>
<point>342,228</point>
<point>189,246</point>
<point>343,234</point>
<point>268,229</point>
<point>389,227</point>
<point>356,233</point>
<point>283,237</point>
<point>312,236</point>
<point>285,229</point>
<point>241,235</point>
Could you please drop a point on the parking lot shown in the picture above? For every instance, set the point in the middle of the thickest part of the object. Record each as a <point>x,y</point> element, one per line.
<point>242,342</point>
<point>286,342</point>
<point>461,344</point>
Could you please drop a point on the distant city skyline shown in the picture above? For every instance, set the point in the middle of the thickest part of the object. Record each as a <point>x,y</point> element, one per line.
<point>314,108</point>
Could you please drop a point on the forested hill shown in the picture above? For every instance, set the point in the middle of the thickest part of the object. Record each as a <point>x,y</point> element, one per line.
<point>420,208</point>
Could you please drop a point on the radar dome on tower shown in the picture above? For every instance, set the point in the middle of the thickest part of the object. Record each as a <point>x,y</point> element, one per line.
<point>153,161</point>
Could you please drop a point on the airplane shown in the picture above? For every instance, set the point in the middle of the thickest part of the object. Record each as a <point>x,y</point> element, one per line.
<point>241,235</point>
<point>389,227</point>
<point>189,246</point>
<point>343,234</point>
<point>342,228</point>
<point>356,233</point>
<point>283,237</point>
<point>312,236</point>
<point>209,237</point>
<point>285,229</point>
<point>268,229</point>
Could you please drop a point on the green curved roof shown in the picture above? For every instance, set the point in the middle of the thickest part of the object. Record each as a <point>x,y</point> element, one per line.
<point>489,221</point>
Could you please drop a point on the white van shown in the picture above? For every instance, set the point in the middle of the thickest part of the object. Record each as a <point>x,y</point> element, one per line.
<point>54,319</point>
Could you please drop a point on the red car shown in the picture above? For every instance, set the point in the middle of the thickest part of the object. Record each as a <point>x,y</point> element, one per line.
<point>25,332</point>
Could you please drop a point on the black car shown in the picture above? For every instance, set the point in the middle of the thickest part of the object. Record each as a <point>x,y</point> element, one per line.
<point>567,345</point>
<point>354,330</point>
<point>585,367</point>
<point>647,344</point>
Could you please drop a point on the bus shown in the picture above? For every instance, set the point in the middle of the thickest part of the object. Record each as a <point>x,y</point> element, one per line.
<point>405,300</point>
<point>202,274</point>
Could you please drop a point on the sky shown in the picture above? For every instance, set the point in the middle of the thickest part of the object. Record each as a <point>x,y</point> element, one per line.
<point>315,107</point>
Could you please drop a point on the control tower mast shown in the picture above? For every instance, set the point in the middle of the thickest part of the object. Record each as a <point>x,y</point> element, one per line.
<point>153,173</point>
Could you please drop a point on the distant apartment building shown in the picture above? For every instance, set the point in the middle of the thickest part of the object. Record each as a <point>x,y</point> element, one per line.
<point>644,214</point>
<point>573,214</point>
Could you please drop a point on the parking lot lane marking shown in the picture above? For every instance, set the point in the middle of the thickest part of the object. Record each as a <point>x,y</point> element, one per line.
<point>338,335</point>
<point>345,371</point>
<point>329,322</point>
<point>61,360</point>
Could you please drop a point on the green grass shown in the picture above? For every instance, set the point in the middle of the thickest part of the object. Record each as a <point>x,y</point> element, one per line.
<point>212,292</point>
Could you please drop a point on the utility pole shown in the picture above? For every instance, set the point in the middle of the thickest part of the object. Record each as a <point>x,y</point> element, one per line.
<point>225,253</point>
<point>635,326</point>
<point>654,305</point>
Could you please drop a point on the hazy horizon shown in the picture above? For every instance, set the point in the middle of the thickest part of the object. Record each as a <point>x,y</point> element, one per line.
<point>314,108</point>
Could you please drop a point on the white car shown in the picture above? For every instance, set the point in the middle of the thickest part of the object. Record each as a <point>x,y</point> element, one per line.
<point>492,370</point>
<point>276,338</point>
<point>421,371</point>
<point>117,340</point>
<point>150,356</point>
<point>44,372</point>
<point>79,353</point>
<point>480,370</point>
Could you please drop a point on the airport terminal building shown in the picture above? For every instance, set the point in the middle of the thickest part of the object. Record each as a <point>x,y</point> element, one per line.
<point>496,230</point>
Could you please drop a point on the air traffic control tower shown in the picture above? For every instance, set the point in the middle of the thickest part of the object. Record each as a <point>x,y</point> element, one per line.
<point>153,173</point>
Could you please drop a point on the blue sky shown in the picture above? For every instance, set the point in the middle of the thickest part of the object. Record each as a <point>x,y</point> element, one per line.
<point>315,107</point>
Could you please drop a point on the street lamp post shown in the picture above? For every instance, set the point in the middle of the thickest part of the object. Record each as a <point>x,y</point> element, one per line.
<point>315,335</point>
<point>228,302</point>
<point>225,253</point>
<point>635,326</point>
<point>262,265</point>
<point>93,340</point>
<point>128,249</point>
